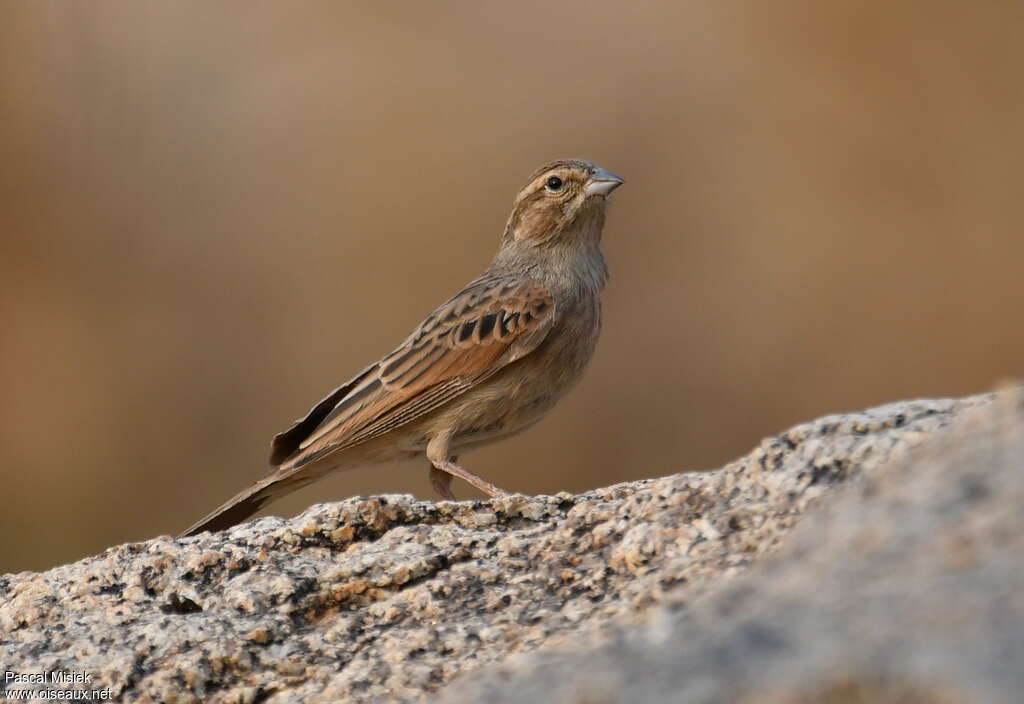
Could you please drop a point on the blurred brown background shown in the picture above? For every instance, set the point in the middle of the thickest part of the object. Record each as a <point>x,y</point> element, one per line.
<point>823,211</point>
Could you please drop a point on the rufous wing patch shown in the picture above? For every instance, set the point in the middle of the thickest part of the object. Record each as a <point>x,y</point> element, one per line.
<point>490,323</point>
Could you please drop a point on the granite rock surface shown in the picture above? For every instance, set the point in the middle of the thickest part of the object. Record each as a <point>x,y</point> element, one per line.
<point>762,581</point>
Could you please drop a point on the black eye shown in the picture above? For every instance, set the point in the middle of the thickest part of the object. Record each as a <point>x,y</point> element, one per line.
<point>554,184</point>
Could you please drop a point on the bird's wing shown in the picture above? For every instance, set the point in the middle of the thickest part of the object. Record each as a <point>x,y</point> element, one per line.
<point>489,324</point>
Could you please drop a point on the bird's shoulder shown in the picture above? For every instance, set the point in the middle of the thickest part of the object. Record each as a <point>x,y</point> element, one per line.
<point>495,307</point>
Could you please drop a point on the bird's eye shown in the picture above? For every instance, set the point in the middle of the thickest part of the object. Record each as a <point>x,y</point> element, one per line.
<point>554,184</point>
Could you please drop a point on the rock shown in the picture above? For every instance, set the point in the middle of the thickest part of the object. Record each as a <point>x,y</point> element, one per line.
<point>656,590</point>
<point>909,588</point>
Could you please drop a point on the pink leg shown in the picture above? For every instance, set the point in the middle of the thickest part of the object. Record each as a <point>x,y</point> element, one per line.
<point>442,483</point>
<point>442,461</point>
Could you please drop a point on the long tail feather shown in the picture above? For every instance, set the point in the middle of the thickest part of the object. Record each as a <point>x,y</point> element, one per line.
<point>247,502</point>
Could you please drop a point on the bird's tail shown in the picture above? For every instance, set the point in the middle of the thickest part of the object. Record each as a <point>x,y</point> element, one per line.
<point>249,501</point>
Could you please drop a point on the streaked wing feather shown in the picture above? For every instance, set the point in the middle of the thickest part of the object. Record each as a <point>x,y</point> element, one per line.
<point>287,442</point>
<point>492,322</point>
<point>414,408</point>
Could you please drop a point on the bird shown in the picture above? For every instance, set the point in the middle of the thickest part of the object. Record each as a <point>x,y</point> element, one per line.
<point>487,364</point>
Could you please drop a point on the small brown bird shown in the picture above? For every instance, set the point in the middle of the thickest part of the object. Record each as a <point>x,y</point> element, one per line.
<point>489,363</point>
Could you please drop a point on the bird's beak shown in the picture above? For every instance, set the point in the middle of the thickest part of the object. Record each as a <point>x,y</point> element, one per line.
<point>602,182</point>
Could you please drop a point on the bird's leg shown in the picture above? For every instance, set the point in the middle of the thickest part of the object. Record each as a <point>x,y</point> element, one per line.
<point>437,453</point>
<point>442,482</point>
<point>457,471</point>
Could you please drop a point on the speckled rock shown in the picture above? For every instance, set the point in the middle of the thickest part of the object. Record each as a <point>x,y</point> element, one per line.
<point>908,589</point>
<point>391,598</point>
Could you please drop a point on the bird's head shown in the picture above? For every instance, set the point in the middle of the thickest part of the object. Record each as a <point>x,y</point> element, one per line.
<point>563,201</point>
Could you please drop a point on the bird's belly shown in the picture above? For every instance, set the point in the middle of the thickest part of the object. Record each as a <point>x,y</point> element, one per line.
<point>500,419</point>
<point>520,394</point>
<point>510,402</point>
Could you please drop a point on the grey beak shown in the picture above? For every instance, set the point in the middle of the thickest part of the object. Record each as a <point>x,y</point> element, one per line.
<point>602,182</point>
